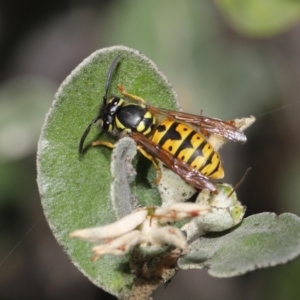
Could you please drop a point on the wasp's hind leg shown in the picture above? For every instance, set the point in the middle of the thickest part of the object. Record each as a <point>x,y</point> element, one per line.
<point>131,96</point>
<point>152,159</point>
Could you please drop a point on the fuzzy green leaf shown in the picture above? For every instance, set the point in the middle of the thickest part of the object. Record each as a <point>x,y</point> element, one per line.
<point>261,18</point>
<point>75,190</point>
<point>262,240</point>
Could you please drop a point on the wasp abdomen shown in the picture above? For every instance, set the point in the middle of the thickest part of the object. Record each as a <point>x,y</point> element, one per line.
<point>190,146</point>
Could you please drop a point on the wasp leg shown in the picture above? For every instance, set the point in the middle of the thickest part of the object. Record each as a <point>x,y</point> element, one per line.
<point>131,96</point>
<point>102,143</point>
<point>151,158</point>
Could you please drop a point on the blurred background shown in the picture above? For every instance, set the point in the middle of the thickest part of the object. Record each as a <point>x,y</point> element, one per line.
<point>226,58</point>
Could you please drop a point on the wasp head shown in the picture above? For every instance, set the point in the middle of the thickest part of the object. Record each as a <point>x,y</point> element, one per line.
<point>108,108</point>
<point>107,113</point>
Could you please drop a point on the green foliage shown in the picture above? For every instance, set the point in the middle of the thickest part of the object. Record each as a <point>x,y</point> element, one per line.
<point>258,18</point>
<point>81,192</point>
<point>24,102</point>
<point>261,240</point>
<point>75,190</point>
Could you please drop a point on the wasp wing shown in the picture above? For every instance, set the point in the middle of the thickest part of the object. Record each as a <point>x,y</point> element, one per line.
<point>184,170</point>
<point>226,129</point>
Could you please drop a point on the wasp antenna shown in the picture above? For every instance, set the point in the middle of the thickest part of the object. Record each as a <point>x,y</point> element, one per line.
<point>240,182</point>
<point>86,132</point>
<point>112,67</point>
<point>109,75</point>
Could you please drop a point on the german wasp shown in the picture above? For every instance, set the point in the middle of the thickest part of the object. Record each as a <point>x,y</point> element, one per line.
<point>179,141</point>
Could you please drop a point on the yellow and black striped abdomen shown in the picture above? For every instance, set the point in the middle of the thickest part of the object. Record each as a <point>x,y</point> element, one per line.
<point>190,146</point>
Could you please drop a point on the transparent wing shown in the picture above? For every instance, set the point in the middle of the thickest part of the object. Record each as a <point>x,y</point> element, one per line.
<point>226,129</point>
<point>184,170</point>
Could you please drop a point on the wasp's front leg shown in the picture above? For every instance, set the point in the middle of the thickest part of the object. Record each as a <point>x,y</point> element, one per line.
<point>102,143</point>
<point>131,96</point>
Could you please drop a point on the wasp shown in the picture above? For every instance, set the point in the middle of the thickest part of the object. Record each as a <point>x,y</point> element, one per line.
<point>174,140</point>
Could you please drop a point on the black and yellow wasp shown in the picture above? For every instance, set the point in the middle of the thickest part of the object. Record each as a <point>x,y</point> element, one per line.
<point>174,141</point>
